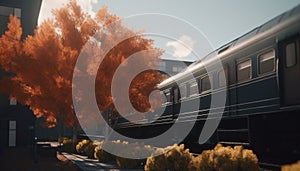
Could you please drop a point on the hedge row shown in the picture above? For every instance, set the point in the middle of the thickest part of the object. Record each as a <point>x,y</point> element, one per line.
<point>95,150</point>
<point>118,148</point>
<point>226,159</point>
<point>68,145</point>
<point>292,167</point>
<point>171,158</point>
<point>87,148</point>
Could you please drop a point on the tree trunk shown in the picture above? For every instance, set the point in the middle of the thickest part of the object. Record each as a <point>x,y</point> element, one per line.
<point>59,130</point>
<point>59,133</point>
<point>75,139</point>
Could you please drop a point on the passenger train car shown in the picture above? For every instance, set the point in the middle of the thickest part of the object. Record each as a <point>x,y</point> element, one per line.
<point>262,81</point>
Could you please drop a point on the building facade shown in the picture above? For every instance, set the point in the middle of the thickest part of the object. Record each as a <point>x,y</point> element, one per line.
<point>17,122</point>
<point>26,10</point>
<point>172,67</point>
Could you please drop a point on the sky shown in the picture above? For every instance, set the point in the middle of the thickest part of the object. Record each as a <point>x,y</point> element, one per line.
<point>201,25</point>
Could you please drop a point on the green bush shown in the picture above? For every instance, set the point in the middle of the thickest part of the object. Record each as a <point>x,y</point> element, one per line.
<point>68,145</point>
<point>292,167</point>
<point>172,158</point>
<point>225,159</point>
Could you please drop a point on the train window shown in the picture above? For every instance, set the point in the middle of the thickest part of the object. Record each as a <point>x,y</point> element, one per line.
<point>176,95</point>
<point>266,62</point>
<point>290,53</point>
<point>193,87</point>
<point>244,70</point>
<point>168,96</point>
<point>163,96</point>
<point>223,77</point>
<point>205,83</point>
<point>183,91</point>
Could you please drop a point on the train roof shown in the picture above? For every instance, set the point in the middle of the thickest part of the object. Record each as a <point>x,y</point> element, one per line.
<point>274,25</point>
<point>261,29</point>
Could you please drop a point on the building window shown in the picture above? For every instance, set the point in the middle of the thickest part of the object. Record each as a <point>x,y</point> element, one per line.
<point>3,23</point>
<point>223,77</point>
<point>17,12</point>
<point>266,62</point>
<point>180,69</point>
<point>12,132</point>
<point>174,69</point>
<point>193,86</point>
<point>290,54</point>
<point>4,16</point>
<point>177,69</point>
<point>205,83</point>
<point>244,70</point>
<point>12,101</point>
<point>6,11</point>
<point>162,66</point>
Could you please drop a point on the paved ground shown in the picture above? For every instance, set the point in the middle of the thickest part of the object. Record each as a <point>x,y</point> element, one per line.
<point>47,159</point>
<point>22,159</point>
<point>86,164</point>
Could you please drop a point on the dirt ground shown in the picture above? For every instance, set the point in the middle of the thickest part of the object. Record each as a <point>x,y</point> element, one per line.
<point>22,159</point>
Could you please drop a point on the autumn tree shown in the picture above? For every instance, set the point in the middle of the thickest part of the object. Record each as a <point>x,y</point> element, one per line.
<point>41,67</point>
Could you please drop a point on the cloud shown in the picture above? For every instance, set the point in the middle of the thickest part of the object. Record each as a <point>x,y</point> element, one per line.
<point>182,47</point>
<point>49,5</point>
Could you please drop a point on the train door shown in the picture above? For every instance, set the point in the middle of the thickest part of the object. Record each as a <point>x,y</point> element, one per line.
<point>232,94</point>
<point>289,63</point>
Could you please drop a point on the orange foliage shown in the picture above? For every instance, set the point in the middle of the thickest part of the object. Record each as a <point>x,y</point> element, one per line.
<point>42,65</point>
<point>10,45</point>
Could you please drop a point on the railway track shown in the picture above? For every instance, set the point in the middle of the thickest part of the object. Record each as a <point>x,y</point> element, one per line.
<point>269,166</point>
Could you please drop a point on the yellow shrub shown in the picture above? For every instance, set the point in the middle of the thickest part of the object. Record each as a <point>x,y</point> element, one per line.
<point>175,159</point>
<point>86,147</point>
<point>80,145</point>
<point>68,145</point>
<point>133,150</point>
<point>102,155</point>
<point>226,159</point>
<point>89,150</point>
<point>292,167</point>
